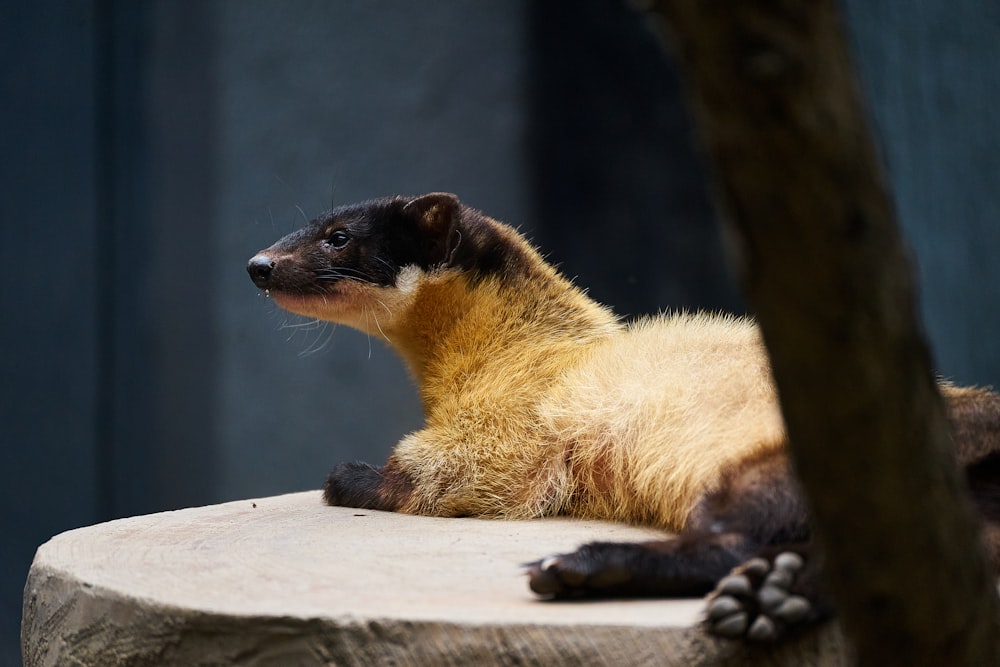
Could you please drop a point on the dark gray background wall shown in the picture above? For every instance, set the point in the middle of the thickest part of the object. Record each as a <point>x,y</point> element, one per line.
<point>149,148</point>
<point>933,84</point>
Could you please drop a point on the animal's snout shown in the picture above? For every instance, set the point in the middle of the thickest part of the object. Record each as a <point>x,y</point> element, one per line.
<point>260,267</point>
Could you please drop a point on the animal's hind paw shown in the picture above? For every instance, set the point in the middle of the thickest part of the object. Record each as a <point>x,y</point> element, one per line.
<point>759,601</point>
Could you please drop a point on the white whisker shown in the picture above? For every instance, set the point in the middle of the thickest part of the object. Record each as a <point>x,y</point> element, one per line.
<point>379,326</point>
<point>382,303</point>
<point>315,343</point>
<point>320,341</point>
<point>308,324</point>
<point>343,273</point>
<point>366,311</point>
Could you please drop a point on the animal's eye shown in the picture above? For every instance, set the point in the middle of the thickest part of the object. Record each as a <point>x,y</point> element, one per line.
<point>338,239</point>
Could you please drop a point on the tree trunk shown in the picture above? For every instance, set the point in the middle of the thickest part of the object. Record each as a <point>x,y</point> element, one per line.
<point>778,105</point>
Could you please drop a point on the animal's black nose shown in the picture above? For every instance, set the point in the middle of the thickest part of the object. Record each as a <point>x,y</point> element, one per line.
<point>260,267</point>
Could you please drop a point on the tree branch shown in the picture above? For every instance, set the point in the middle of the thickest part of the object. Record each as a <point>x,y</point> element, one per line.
<point>775,95</point>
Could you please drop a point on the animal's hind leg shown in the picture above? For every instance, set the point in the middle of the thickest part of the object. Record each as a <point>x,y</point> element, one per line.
<point>776,593</point>
<point>748,541</point>
<point>983,479</point>
<point>755,506</point>
<point>779,589</point>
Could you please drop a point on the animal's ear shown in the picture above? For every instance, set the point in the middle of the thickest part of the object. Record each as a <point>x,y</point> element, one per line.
<point>437,215</point>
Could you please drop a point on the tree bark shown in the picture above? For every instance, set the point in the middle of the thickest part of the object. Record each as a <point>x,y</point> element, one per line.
<point>775,95</point>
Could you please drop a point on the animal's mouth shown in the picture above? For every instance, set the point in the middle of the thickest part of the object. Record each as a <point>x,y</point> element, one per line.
<point>330,304</point>
<point>345,302</point>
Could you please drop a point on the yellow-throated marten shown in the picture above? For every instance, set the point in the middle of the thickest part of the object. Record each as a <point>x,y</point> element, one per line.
<point>541,402</point>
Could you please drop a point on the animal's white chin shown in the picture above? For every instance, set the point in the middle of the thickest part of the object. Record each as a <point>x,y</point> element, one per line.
<point>322,306</point>
<point>367,308</point>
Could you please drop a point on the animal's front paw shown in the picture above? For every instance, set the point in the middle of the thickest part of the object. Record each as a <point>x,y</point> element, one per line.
<point>352,485</point>
<point>599,569</point>
<point>759,600</point>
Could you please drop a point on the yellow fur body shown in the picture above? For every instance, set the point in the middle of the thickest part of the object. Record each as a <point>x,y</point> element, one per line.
<point>538,401</point>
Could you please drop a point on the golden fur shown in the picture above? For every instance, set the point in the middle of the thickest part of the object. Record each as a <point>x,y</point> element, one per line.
<point>538,401</point>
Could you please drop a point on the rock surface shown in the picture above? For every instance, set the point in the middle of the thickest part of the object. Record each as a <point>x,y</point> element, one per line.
<point>288,581</point>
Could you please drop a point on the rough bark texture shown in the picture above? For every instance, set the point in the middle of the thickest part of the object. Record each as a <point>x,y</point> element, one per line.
<point>824,265</point>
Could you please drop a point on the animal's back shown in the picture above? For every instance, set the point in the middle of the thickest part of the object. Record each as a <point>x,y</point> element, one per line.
<point>654,416</point>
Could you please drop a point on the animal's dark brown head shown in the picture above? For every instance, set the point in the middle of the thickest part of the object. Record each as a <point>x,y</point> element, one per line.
<point>349,260</point>
<point>345,259</point>
<point>352,260</point>
<point>366,243</point>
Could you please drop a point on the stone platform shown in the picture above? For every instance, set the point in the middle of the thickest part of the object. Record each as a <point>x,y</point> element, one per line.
<point>288,581</point>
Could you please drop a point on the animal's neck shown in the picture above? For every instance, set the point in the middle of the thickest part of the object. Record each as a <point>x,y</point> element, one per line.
<point>455,328</point>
